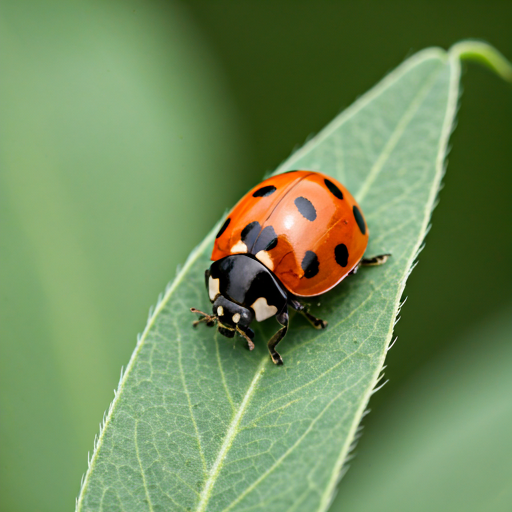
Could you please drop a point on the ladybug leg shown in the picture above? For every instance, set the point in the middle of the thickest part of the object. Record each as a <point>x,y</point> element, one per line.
<point>355,269</point>
<point>283,319</point>
<point>246,336</point>
<point>373,262</point>
<point>208,319</point>
<point>317,323</point>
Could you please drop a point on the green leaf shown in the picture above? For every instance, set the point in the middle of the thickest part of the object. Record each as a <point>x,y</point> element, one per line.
<point>444,442</point>
<point>200,423</point>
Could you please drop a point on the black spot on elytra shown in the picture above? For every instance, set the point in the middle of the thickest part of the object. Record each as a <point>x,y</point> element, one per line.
<point>223,228</point>
<point>335,191</point>
<point>306,208</point>
<point>341,255</point>
<point>267,240</point>
<point>310,264</point>
<point>265,191</point>
<point>250,233</point>
<point>359,219</point>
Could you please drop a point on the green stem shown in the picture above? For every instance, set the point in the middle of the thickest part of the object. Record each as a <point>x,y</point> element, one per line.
<point>485,54</point>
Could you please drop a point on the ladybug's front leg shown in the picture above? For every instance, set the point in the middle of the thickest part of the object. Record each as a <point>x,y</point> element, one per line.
<point>248,334</point>
<point>283,319</point>
<point>317,323</point>
<point>205,317</point>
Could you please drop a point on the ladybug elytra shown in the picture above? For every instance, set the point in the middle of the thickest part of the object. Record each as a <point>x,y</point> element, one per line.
<point>296,234</point>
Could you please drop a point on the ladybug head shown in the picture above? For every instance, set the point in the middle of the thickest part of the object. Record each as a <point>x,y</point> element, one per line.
<point>232,317</point>
<point>241,289</point>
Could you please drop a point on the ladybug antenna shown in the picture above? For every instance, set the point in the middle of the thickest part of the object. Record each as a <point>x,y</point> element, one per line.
<point>209,319</point>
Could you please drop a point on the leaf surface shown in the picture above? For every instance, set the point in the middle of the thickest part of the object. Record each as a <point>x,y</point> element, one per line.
<point>199,423</point>
<point>444,441</point>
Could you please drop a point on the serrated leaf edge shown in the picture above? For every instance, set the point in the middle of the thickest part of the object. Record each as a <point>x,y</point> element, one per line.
<point>448,124</point>
<point>153,313</point>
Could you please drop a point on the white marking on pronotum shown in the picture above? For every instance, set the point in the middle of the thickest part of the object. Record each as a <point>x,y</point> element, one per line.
<point>264,257</point>
<point>262,309</point>
<point>236,318</point>
<point>213,288</point>
<point>238,248</point>
<point>220,311</point>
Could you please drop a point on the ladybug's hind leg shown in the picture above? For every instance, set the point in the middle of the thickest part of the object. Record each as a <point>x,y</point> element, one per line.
<point>375,260</point>
<point>371,262</point>
<point>317,323</point>
<point>283,319</point>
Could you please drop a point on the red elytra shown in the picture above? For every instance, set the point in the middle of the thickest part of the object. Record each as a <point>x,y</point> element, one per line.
<point>304,226</point>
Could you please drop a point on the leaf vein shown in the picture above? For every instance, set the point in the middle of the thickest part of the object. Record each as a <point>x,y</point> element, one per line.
<point>229,437</point>
<point>142,472</point>
<point>182,376</point>
<point>223,377</point>
<point>291,449</point>
<point>395,136</point>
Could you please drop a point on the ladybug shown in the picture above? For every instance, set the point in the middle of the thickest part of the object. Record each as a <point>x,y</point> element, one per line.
<point>296,234</point>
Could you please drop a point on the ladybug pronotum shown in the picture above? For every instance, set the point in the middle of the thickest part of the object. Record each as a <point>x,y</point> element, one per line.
<point>296,234</point>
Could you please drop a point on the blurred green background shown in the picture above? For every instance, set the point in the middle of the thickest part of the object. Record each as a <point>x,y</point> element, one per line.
<point>127,128</point>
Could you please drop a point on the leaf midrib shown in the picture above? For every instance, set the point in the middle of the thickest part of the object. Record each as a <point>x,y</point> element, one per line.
<point>229,437</point>
<point>396,135</point>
